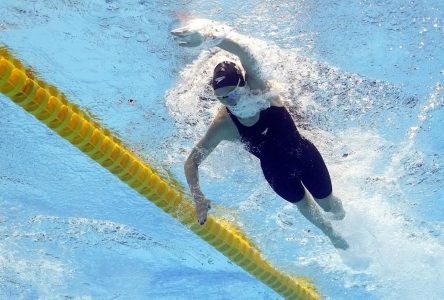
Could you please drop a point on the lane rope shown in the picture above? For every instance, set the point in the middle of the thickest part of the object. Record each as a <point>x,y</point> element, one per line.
<point>51,107</point>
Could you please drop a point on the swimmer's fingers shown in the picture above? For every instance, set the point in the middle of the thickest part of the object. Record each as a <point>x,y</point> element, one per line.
<point>181,32</point>
<point>202,213</point>
<point>188,36</point>
<point>184,44</point>
<point>202,207</point>
<point>202,219</point>
<point>192,40</point>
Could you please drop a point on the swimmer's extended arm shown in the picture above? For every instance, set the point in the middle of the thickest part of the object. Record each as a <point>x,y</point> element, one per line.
<point>248,61</point>
<point>202,31</point>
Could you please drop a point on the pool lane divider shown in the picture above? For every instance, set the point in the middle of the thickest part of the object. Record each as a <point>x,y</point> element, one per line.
<point>52,108</point>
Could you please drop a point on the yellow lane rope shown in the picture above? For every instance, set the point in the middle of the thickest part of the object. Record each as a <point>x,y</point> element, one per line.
<point>52,108</point>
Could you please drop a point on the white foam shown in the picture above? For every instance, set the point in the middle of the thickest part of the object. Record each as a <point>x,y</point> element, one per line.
<point>249,103</point>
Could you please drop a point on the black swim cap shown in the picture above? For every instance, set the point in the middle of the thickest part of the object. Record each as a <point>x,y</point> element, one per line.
<point>227,73</point>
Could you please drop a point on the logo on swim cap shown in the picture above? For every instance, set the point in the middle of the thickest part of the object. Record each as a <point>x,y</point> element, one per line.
<point>219,79</point>
<point>227,73</point>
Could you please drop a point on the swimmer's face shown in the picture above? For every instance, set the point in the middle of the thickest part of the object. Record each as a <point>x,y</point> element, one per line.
<point>228,95</point>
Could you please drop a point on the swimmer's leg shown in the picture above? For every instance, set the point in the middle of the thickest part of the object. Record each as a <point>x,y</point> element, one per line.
<point>311,212</point>
<point>332,204</point>
<point>316,179</point>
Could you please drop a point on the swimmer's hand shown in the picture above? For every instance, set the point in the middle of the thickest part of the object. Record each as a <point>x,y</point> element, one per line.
<point>202,207</point>
<point>187,38</point>
<point>200,32</point>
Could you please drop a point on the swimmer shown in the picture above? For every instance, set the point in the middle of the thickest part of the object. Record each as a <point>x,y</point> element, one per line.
<point>291,164</point>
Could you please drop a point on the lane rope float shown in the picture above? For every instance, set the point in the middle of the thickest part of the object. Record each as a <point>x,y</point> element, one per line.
<point>51,107</point>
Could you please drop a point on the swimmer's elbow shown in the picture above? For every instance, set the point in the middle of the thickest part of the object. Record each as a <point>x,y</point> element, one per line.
<point>190,164</point>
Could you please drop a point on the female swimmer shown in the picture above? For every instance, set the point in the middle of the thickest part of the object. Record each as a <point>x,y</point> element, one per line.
<point>291,164</point>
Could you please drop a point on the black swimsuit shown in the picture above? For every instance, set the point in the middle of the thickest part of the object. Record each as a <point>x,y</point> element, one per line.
<point>287,159</point>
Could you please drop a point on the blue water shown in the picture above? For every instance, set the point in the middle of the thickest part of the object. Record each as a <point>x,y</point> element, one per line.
<point>364,82</point>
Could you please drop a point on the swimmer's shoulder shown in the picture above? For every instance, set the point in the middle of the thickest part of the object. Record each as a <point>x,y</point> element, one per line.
<point>276,101</point>
<point>225,125</point>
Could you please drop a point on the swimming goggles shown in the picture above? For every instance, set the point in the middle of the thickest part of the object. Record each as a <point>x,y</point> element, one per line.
<point>231,95</point>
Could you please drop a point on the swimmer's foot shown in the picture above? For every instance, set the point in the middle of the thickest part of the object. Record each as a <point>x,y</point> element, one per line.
<point>336,209</point>
<point>338,241</point>
<point>336,216</point>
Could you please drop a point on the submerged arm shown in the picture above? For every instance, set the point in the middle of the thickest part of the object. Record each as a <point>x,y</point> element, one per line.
<point>215,134</point>
<point>199,153</point>
<point>203,148</point>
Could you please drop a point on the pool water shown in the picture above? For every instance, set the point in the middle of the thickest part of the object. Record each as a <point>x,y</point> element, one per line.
<point>363,81</point>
